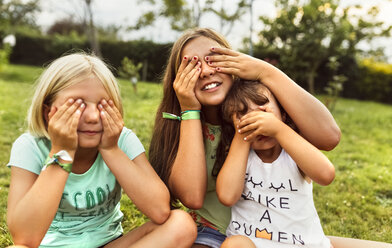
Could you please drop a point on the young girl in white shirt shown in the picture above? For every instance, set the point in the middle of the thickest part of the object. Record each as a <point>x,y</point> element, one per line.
<point>268,173</point>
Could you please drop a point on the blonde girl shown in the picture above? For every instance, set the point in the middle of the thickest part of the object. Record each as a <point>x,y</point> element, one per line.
<point>68,170</point>
<point>183,149</point>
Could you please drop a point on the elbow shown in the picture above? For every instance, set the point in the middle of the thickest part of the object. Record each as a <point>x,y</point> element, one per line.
<point>227,198</point>
<point>332,139</point>
<point>193,201</point>
<point>327,177</point>
<point>21,238</point>
<point>161,215</point>
<point>24,240</point>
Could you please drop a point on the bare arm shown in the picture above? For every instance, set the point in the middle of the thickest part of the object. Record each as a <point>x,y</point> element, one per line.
<point>137,177</point>
<point>34,199</point>
<point>230,181</point>
<point>188,178</point>
<point>140,182</point>
<point>315,122</point>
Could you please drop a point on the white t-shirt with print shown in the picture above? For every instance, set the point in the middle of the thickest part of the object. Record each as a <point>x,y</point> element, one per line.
<point>276,208</point>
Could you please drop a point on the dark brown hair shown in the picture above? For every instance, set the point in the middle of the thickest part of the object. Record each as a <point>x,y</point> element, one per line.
<point>237,101</point>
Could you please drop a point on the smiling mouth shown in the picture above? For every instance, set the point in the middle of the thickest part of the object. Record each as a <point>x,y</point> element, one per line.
<point>211,86</point>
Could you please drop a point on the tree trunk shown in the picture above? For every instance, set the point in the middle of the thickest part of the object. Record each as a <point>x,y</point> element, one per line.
<point>91,31</point>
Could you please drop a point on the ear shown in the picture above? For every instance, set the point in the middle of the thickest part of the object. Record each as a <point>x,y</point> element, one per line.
<point>45,113</point>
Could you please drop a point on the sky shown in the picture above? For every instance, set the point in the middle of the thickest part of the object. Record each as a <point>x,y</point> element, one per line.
<point>126,13</point>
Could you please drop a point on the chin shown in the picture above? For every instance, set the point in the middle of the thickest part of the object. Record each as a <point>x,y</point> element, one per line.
<point>92,143</point>
<point>212,101</point>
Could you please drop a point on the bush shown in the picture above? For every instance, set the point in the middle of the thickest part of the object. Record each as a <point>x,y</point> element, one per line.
<point>372,82</point>
<point>40,50</point>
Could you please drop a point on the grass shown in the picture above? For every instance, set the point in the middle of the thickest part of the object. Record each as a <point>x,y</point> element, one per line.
<point>358,204</point>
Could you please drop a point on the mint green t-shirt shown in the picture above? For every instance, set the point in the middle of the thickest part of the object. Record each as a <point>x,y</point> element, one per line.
<point>213,211</point>
<point>89,211</point>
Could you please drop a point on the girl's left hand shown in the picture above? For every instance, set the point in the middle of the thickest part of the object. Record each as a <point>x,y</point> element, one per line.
<point>234,63</point>
<point>112,123</point>
<point>259,122</point>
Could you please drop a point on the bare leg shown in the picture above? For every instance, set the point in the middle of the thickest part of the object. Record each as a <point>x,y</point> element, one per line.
<point>238,241</point>
<point>178,231</point>
<point>339,242</point>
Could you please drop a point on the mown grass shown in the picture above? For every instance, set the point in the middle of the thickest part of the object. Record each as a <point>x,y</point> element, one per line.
<point>357,204</point>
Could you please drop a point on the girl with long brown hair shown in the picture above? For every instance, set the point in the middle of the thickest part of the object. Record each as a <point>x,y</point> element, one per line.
<point>183,150</point>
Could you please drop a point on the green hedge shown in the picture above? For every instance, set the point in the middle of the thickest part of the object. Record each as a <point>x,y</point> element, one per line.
<point>41,50</point>
<point>373,81</point>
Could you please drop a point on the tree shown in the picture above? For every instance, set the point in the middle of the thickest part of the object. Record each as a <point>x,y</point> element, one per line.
<point>130,71</point>
<point>304,37</point>
<point>184,14</point>
<point>17,13</point>
<point>91,31</point>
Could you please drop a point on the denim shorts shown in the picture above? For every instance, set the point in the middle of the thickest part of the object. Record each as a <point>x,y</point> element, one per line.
<point>210,237</point>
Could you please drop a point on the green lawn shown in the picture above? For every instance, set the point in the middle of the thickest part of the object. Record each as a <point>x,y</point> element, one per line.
<point>357,204</point>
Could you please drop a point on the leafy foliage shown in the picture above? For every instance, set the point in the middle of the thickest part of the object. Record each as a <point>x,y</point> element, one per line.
<point>304,36</point>
<point>183,15</point>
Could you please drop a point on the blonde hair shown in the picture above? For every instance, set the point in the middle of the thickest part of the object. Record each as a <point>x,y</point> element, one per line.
<point>61,74</point>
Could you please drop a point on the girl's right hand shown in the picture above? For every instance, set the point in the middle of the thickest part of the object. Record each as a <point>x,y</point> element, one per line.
<point>62,125</point>
<point>259,122</point>
<point>184,84</point>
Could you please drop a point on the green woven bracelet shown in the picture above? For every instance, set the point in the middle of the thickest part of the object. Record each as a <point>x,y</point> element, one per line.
<point>185,115</point>
<point>55,160</point>
<point>190,115</point>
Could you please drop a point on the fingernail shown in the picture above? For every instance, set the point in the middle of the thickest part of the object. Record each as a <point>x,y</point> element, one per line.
<point>71,100</point>
<point>110,102</point>
<point>218,69</point>
<point>207,58</point>
<point>78,112</point>
<point>245,138</point>
<point>104,102</point>
<point>82,106</point>
<point>194,57</point>
<point>79,101</point>
<point>185,57</point>
<point>102,113</point>
<point>239,130</point>
<point>100,106</point>
<point>212,48</point>
<point>209,62</point>
<point>198,69</point>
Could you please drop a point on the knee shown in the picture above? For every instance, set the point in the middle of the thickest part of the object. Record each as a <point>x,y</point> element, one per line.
<point>238,241</point>
<point>182,226</point>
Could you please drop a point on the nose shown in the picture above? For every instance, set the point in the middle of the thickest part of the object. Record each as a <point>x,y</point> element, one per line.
<point>91,113</point>
<point>206,70</point>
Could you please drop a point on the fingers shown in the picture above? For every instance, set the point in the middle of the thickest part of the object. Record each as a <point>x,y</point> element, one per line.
<point>65,112</point>
<point>187,71</point>
<point>224,50</point>
<point>111,117</point>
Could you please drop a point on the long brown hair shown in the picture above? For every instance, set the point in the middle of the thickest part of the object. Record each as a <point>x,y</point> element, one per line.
<point>237,101</point>
<point>166,134</point>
